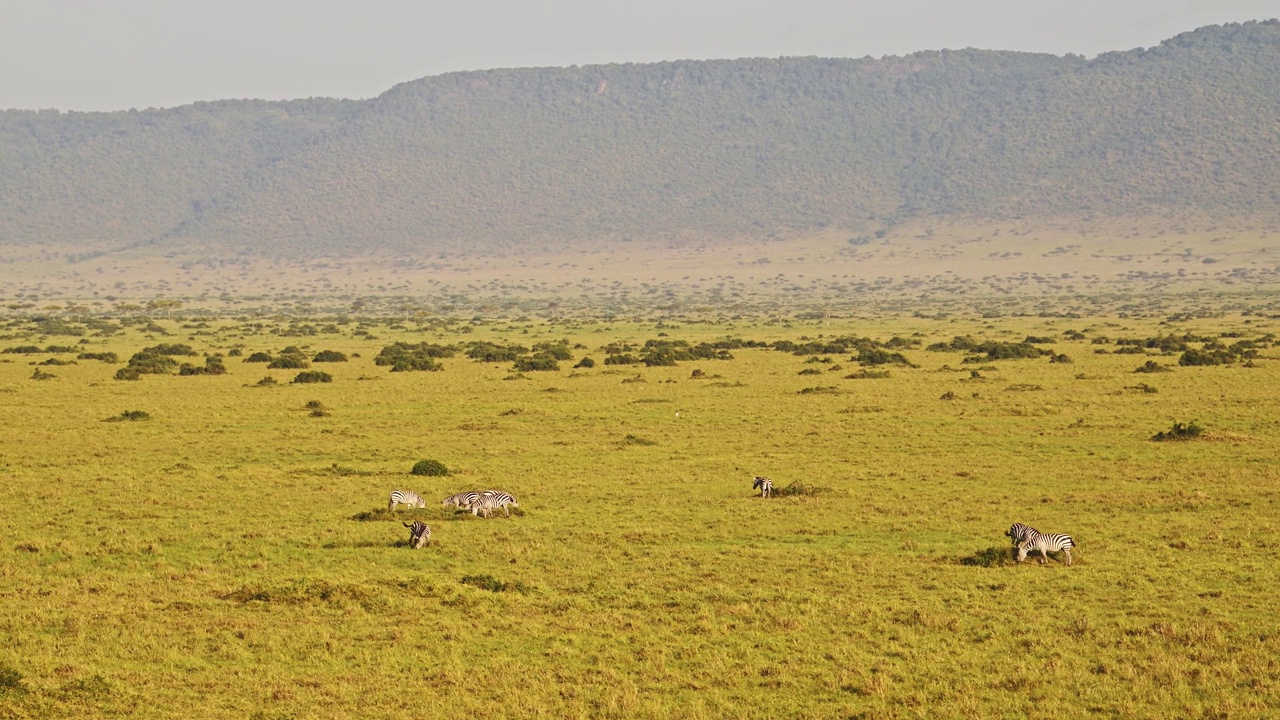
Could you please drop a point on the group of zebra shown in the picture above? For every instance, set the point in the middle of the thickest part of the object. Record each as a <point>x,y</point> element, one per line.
<point>475,500</point>
<point>1027,539</point>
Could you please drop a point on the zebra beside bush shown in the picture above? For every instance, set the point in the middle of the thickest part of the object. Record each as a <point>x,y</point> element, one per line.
<point>1045,543</point>
<point>408,498</point>
<point>419,534</point>
<point>764,484</point>
<point>461,500</point>
<point>1018,532</point>
<point>491,500</point>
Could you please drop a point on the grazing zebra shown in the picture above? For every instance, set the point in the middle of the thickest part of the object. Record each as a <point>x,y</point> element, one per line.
<point>1045,543</point>
<point>765,485</point>
<point>461,500</point>
<point>491,500</point>
<point>408,498</point>
<point>419,534</point>
<point>1018,532</point>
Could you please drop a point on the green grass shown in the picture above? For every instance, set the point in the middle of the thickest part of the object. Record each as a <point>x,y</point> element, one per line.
<point>233,556</point>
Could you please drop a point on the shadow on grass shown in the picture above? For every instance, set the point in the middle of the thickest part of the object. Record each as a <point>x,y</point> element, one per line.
<point>990,557</point>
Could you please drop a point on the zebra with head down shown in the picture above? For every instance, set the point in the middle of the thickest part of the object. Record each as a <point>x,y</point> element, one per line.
<point>419,534</point>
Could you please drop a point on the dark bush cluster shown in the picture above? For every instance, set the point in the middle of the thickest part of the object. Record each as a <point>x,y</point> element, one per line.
<point>290,358</point>
<point>329,356</point>
<point>212,366</point>
<point>430,468</point>
<point>405,357</point>
<point>1179,431</point>
<point>312,376</point>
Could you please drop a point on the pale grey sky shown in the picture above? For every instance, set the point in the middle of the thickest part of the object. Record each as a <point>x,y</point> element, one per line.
<point>120,54</point>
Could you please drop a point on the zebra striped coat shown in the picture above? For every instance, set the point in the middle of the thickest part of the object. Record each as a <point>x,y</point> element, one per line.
<point>764,484</point>
<point>491,500</point>
<point>408,498</point>
<point>1045,543</point>
<point>1018,532</point>
<point>419,534</point>
<point>461,500</point>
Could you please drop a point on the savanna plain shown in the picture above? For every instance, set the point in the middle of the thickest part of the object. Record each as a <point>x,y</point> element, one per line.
<point>211,543</point>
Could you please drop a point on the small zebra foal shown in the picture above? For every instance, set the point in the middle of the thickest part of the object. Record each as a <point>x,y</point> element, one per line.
<point>1045,543</point>
<point>491,500</point>
<point>764,484</point>
<point>408,498</point>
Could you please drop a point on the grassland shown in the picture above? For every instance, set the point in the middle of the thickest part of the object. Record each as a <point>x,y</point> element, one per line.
<point>225,557</point>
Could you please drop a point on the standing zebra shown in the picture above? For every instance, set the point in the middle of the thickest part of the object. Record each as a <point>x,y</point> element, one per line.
<point>1045,543</point>
<point>461,500</point>
<point>491,500</point>
<point>419,534</point>
<point>408,498</point>
<point>1018,532</point>
<point>765,485</point>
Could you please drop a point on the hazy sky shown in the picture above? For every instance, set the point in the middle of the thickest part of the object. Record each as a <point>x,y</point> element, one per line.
<point>119,54</point>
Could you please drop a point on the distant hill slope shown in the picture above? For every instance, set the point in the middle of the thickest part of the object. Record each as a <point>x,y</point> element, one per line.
<point>504,158</point>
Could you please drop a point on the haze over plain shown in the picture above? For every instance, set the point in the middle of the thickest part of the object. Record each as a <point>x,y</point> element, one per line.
<point>791,165</point>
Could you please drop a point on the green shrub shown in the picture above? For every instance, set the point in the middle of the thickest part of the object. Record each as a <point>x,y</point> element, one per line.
<point>1151,366</point>
<point>1207,356</point>
<point>800,489</point>
<point>536,363</point>
<point>313,376</point>
<point>585,362</point>
<point>1179,432</point>
<point>289,362</point>
<point>259,357</point>
<point>128,373</point>
<point>106,357</point>
<point>329,356</point>
<point>430,468</point>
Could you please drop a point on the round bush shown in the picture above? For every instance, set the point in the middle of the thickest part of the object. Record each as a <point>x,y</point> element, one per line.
<point>433,468</point>
<point>313,376</point>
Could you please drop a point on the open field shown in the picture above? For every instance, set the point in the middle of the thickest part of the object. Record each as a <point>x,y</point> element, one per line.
<point>923,265</point>
<point>226,555</point>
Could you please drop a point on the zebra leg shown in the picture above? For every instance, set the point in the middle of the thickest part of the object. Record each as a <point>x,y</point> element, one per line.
<point>1044,556</point>
<point>1067,552</point>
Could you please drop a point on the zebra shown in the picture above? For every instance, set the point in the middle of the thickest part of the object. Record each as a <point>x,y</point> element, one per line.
<point>491,500</point>
<point>1045,543</point>
<point>419,534</point>
<point>765,485</point>
<point>461,500</point>
<point>1018,532</point>
<point>408,498</point>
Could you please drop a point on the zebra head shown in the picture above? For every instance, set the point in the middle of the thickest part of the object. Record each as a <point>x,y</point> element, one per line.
<point>1023,547</point>
<point>419,534</point>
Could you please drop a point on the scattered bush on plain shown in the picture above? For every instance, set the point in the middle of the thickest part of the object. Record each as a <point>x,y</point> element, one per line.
<point>1179,431</point>
<point>430,468</point>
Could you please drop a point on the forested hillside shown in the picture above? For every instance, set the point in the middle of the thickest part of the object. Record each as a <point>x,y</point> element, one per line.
<point>504,158</point>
